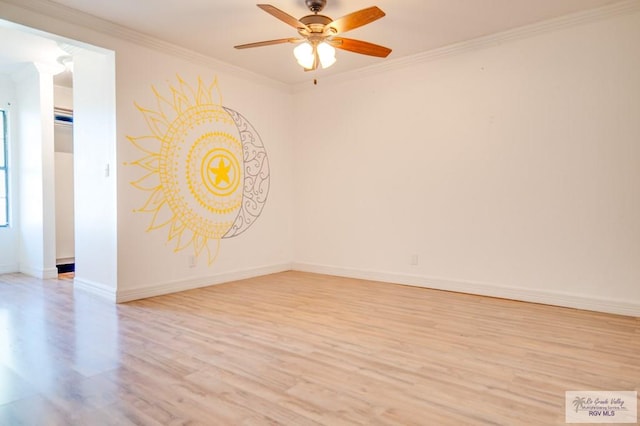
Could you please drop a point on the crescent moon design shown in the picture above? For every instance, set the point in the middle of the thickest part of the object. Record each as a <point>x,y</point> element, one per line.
<point>256,176</point>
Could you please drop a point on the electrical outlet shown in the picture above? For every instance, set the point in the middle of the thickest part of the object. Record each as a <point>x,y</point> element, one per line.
<point>192,261</point>
<point>414,260</point>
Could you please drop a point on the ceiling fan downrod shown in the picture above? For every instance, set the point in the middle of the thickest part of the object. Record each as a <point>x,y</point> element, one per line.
<point>315,5</point>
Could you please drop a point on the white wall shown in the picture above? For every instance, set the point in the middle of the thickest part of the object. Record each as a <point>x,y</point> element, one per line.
<point>63,97</point>
<point>65,251</point>
<point>95,172</point>
<point>63,139</point>
<point>34,90</point>
<point>510,170</point>
<point>9,235</point>
<point>146,262</point>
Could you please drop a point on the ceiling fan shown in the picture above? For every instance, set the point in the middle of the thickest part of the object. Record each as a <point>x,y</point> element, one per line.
<point>318,34</point>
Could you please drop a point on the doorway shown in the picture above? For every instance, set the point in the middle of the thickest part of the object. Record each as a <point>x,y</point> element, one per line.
<point>64,181</point>
<point>89,205</point>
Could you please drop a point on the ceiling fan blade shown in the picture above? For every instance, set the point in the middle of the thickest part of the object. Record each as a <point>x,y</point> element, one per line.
<point>359,46</point>
<point>283,16</point>
<point>356,19</point>
<point>268,43</point>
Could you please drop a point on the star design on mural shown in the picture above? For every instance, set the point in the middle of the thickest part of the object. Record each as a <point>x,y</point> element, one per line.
<point>221,172</point>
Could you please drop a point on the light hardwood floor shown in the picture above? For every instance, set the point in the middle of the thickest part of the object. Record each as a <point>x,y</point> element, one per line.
<point>300,349</point>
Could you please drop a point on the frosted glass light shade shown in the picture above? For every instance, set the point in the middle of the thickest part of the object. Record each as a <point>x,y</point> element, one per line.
<point>327,54</point>
<point>304,55</point>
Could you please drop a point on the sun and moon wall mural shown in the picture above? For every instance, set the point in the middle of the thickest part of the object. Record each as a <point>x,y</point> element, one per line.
<point>205,171</point>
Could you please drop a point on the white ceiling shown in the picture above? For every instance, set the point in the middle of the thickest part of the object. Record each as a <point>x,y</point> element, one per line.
<point>19,47</point>
<point>213,27</point>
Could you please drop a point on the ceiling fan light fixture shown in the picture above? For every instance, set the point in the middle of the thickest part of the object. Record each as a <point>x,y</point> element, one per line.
<point>304,55</point>
<point>317,34</point>
<point>327,54</point>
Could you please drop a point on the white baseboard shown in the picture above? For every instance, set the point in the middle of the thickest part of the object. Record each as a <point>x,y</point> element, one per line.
<point>96,289</point>
<point>43,274</point>
<point>182,285</point>
<point>613,306</point>
<point>49,273</point>
<point>9,268</point>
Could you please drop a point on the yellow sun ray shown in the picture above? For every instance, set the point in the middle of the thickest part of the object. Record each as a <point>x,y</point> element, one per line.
<point>162,217</point>
<point>153,201</point>
<point>163,104</point>
<point>184,241</point>
<point>140,183</point>
<point>176,229</point>
<point>149,163</point>
<point>156,122</point>
<point>148,144</point>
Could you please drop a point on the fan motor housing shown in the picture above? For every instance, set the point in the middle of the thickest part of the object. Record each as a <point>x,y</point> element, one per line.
<point>316,20</point>
<point>315,23</point>
<point>315,5</point>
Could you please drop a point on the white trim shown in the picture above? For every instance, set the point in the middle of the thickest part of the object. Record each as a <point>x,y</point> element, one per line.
<point>9,268</point>
<point>548,26</point>
<point>43,274</point>
<point>556,298</point>
<point>159,289</point>
<point>50,273</point>
<point>100,290</point>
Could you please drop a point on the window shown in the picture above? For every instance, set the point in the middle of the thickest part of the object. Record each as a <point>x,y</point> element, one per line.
<point>4,184</point>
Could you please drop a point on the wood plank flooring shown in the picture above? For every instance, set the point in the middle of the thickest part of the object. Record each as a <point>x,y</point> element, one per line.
<point>300,349</point>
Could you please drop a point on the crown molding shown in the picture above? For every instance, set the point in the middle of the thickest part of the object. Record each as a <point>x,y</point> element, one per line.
<point>73,16</point>
<point>593,15</point>
<point>69,15</point>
